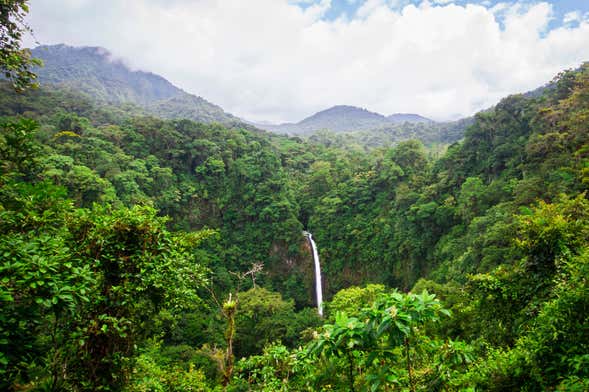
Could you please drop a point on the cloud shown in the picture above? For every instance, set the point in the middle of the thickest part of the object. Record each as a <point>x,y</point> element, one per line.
<point>570,17</point>
<point>278,60</point>
<point>499,7</point>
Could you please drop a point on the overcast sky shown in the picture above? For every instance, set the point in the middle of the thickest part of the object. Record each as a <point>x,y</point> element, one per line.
<point>281,60</point>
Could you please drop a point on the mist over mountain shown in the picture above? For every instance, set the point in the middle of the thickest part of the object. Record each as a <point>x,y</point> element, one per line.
<point>94,72</point>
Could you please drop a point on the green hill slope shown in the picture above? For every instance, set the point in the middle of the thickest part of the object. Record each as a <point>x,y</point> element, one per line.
<point>93,71</point>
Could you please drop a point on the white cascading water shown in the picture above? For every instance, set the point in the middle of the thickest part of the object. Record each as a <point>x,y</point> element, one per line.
<point>318,286</point>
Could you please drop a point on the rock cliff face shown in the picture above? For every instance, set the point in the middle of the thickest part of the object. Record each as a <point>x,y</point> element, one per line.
<point>294,273</point>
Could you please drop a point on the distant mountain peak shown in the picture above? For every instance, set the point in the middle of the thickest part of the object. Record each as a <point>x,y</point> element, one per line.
<point>93,70</point>
<point>407,117</point>
<point>98,52</point>
<point>344,118</point>
<point>348,109</point>
<point>344,108</point>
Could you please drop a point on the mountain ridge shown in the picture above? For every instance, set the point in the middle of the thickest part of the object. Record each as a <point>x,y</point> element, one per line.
<point>343,118</point>
<point>408,117</point>
<point>93,71</point>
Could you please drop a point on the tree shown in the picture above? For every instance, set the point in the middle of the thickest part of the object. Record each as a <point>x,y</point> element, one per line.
<point>471,198</point>
<point>43,284</point>
<point>264,317</point>
<point>139,269</point>
<point>225,359</point>
<point>15,62</point>
<point>352,299</point>
<point>378,348</point>
<point>79,288</point>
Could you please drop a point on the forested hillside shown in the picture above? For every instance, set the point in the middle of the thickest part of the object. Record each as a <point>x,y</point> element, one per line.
<point>147,254</point>
<point>339,118</point>
<point>95,72</point>
<point>434,136</point>
<point>349,125</point>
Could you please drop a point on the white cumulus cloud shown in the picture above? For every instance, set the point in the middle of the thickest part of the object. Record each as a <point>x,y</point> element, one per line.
<point>573,16</point>
<point>275,60</point>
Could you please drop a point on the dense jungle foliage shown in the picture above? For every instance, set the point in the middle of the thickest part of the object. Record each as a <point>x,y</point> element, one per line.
<point>144,254</point>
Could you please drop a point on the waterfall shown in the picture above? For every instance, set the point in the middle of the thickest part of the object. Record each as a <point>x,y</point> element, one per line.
<point>318,286</point>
